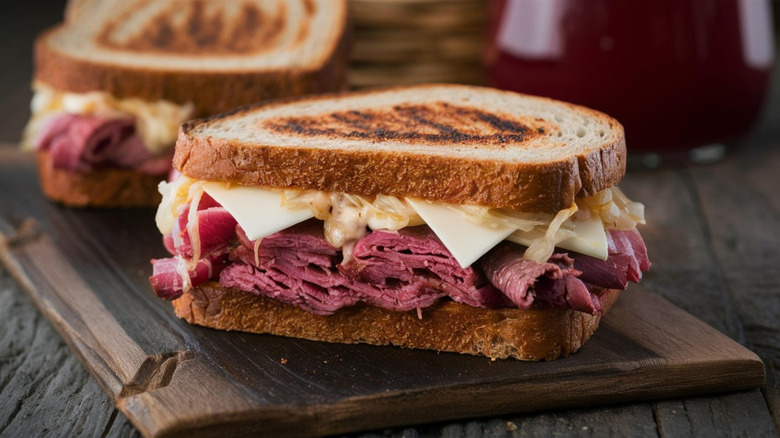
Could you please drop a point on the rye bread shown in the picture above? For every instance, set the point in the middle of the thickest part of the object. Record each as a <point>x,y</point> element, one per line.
<point>106,187</point>
<point>536,334</point>
<point>83,54</point>
<point>452,143</point>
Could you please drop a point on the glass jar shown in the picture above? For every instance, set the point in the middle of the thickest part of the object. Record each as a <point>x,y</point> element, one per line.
<point>682,76</point>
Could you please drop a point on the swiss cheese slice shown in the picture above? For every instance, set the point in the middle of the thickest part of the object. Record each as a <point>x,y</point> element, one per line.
<point>465,240</point>
<point>591,238</point>
<point>259,211</point>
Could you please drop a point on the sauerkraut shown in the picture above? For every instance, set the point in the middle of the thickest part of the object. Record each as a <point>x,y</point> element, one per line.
<point>347,217</point>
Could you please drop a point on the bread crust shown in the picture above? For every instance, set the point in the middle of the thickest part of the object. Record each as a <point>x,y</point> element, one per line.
<point>531,187</point>
<point>107,187</point>
<point>210,92</point>
<point>536,334</point>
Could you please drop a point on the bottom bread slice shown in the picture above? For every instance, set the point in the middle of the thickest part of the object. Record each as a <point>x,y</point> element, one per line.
<point>100,188</point>
<point>536,334</point>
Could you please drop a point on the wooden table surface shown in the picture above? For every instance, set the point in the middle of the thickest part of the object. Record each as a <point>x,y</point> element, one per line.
<point>713,236</point>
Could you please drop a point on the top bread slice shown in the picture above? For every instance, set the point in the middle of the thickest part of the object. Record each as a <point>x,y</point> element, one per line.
<point>216,54</point>
<point>451,143</point>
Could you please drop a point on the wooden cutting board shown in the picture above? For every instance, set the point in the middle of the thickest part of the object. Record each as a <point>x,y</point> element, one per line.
<point>87,271</point>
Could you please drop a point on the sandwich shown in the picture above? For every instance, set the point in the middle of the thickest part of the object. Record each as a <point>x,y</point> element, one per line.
<point>445,217</point>
<point>114,82</point>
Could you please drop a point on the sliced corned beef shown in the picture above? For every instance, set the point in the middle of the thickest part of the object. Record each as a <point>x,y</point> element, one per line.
<point>526,282</point>
<point>166,278</point>
<point>567,292</point>
<point>580,297</point>
<point>287,284</point>
<point>626,261</point>
<point>216,228</point>
<point>398,270</point>
<point>413,255</point>
<point>296,266</point>
<point>82,142</point>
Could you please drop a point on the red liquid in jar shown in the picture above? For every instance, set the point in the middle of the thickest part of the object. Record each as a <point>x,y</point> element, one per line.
<point>677,74</point>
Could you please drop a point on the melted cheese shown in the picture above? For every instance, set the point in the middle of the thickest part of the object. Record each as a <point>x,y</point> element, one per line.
<point>590,237</point>
<point>157,122</point>
<point>262,212</point>
<point>175,195</point>
<point>259,212</point>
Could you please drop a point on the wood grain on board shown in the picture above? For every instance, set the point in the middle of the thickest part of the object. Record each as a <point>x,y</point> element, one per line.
<point>87,271</point>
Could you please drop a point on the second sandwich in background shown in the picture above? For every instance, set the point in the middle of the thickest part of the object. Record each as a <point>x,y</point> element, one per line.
<point>114,82</point>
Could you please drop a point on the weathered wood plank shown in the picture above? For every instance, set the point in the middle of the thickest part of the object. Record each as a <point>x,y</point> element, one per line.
<point>712,235</point>
<point>632,420</point>
<point>122,428</point>
<point>741,414</point>
<point>684,267</point>
<point>42,383</point>
<point>741,201</point>
<point>210,382</point>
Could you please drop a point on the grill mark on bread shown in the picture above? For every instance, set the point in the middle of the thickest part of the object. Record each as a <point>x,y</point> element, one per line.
<point>210,149</point>
<point>193,28</point>
<point>309,7</point>
<point>436,123</point>
<point>303,32</point>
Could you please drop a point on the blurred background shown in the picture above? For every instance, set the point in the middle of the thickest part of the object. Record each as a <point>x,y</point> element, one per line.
<point>688,78</point>
<point>20,22</point>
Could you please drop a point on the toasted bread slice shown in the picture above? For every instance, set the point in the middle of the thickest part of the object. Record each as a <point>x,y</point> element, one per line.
<point>451,143</point>
<point>535,334</point>
<point>107,187</point>
<point>218,55</point>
